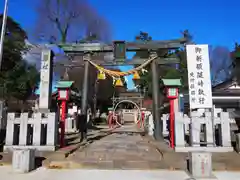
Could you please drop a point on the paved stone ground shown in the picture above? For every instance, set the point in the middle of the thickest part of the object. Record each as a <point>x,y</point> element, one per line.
<point>126,148</point>
<point>221,161</point>
<point>123,148</point>
<point>49,174</point>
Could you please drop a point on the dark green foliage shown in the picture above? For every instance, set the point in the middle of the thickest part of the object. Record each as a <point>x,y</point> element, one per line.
<point>14,43</point>
<point>18,79</point>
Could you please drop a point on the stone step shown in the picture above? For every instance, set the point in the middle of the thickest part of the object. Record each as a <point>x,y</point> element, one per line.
<point>112,157</point>
<point>116,164</point>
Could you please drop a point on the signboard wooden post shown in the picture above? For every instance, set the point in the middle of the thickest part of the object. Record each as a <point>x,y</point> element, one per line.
<point>199,83</point>
<point>199,79</point>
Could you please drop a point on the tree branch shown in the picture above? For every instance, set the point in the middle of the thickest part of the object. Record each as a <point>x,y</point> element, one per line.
<point>70,19</point>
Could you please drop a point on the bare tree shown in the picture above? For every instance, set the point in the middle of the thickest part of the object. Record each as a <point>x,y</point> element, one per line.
<point>69,20</point>
<point>221,64</point>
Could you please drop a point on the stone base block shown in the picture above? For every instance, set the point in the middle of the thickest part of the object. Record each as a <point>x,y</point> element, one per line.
<point>200,165</point>
<point>23,160</point>
<point>203,149</point>
<point>37,148</point>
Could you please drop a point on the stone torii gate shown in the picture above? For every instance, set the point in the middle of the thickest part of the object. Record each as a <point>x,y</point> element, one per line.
<point>119,49</point>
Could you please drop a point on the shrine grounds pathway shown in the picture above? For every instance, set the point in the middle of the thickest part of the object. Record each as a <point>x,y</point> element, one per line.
<point>128,148</point>
<point>124,148</point>
<point>120,148</point>
<point>122,153</point>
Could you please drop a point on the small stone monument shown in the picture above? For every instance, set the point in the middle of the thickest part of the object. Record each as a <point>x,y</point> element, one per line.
<point>46,80</point>
<point>23,160</point>
<point>200,165</point>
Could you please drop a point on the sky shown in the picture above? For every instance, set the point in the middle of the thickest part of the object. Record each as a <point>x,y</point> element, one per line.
<point>213,22</point>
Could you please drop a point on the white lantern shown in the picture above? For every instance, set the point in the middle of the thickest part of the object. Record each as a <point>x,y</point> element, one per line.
<point>63,94</point>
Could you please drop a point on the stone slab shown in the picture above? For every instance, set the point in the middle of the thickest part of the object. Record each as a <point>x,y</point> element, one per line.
<point>38,148</point>
<point>204,149</point>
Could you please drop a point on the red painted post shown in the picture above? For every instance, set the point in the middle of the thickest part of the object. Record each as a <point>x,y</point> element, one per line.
<point>62,124</point>
<point>172,93</point>
<point>143,116</point>
<point>114,120</point>
<point>110,116</point>
<point>172,123</point>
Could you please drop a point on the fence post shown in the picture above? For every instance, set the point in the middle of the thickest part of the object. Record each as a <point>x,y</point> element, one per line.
<point>165,119</point>
<point>179,130</point>
<point>225,129</point>
<point>52,132</point>
<point>10,129</point>
<point>150,125</point>
<point>37,129</point>
<point>186,124</point>
<point>68,125</point>
<point>136,116</point>
<point>195,129</point>
<point>23,129</point>
<point>208,134</point>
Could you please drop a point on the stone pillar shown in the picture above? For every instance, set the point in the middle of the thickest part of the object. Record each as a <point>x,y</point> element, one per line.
<point>46,80</point>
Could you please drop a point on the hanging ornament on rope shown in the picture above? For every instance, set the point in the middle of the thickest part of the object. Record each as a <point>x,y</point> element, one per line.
<point>119,83</point>
<point>101,75</point>
<point>114,80</point>
<point>136,76</point>
<point>144,71</point>
<point>118,74</point>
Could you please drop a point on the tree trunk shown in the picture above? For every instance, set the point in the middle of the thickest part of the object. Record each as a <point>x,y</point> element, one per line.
<point>64,37</point>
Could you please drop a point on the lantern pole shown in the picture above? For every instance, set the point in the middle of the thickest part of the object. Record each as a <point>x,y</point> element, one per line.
<point>63,119</point>
<point>172,94</point>
<point>172,123</point>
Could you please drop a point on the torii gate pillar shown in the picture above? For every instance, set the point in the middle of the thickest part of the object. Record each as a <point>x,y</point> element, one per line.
<point>156,101</point>
<point>84,98</point>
